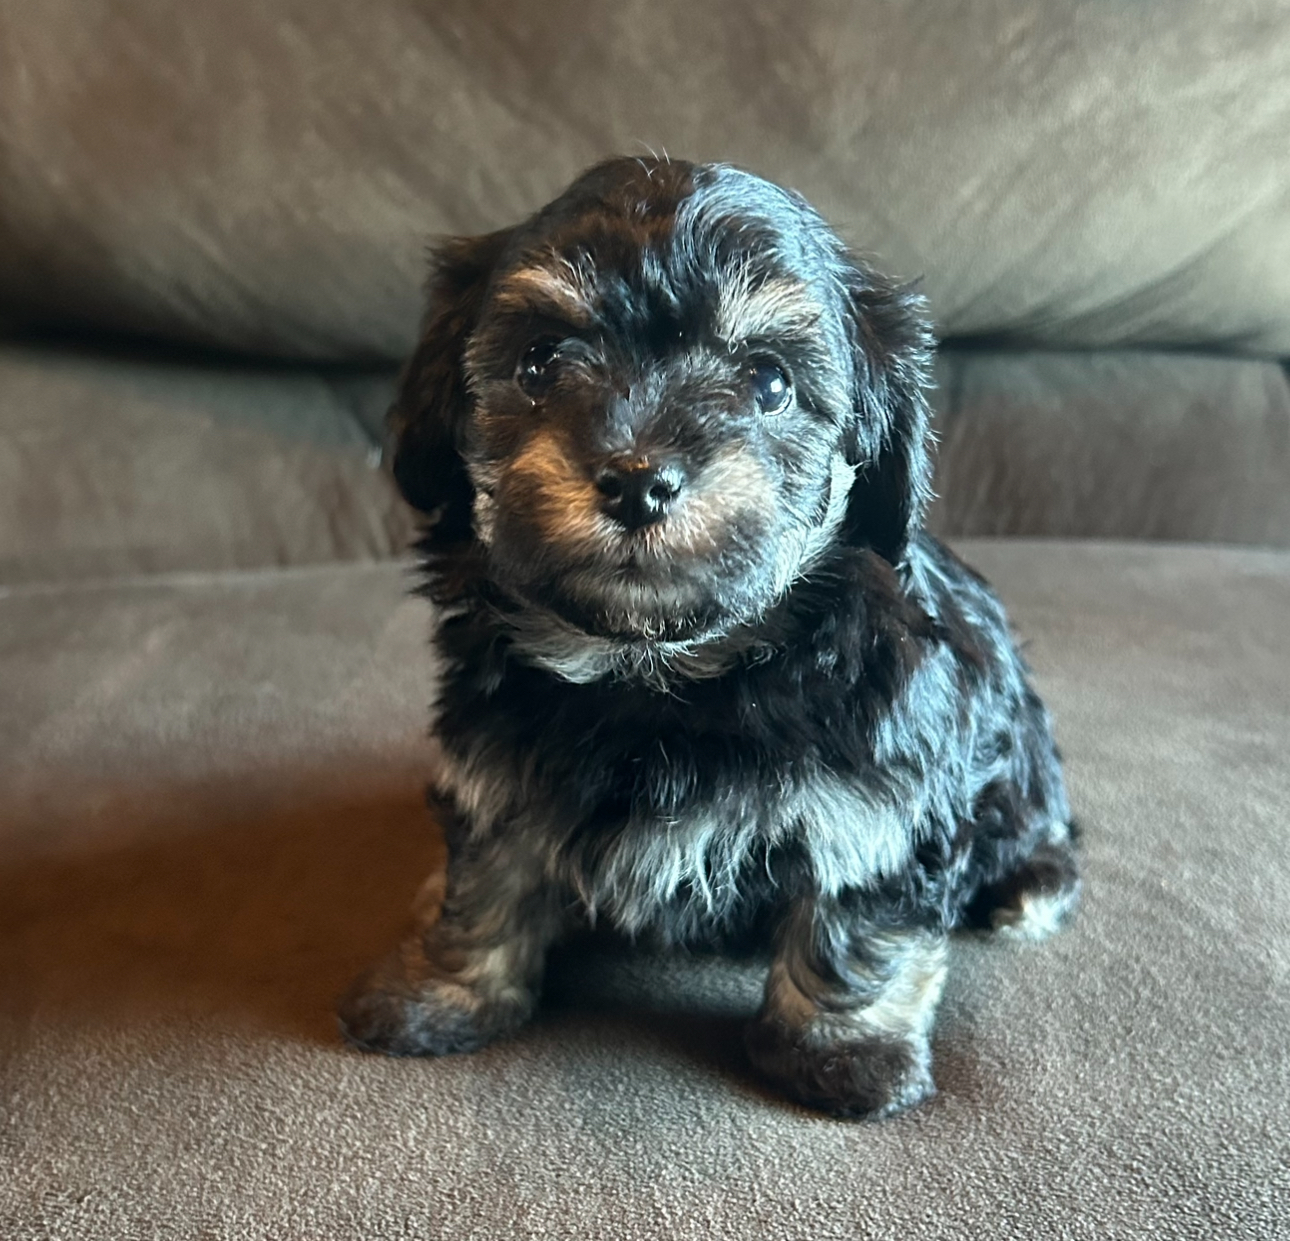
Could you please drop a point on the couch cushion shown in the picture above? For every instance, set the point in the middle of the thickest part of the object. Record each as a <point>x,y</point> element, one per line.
<point>1112,444</point>
<point>211,818</point>
<point>133,463</point>
<point>139,463</point>
<point>264,175</point>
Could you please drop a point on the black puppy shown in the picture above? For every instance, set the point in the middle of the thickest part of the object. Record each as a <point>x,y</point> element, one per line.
<point>704,674</point>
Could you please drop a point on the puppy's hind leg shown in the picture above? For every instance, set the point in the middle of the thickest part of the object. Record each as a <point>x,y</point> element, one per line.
<point>848,1009</point>
<point>1035,897</point>
<point>471,970</point>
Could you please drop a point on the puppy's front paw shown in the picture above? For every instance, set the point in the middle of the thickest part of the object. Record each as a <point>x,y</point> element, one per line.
<point>375,1016</point>
<point>402,1008</point>
<point>865,1076</point>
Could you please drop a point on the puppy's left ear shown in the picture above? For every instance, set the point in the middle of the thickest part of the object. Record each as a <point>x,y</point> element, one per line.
<point>889,440</point>
<point>433,404</point>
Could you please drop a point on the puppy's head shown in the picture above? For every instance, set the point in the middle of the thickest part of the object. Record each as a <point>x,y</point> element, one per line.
<point>657,402</point>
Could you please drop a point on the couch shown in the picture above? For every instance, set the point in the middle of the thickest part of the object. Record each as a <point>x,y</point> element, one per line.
<point>213,679</point>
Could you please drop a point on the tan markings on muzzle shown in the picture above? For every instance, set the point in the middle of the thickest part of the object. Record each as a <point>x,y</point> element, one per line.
<point>560,289</point>
<point>774,308</point>
<point>567,504</point>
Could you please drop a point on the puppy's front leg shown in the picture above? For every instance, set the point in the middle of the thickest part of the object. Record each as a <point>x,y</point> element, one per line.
<point>470,971</point>
<point>848,1008</point>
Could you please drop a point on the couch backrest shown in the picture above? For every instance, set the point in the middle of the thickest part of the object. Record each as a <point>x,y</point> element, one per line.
<point>263,175</point>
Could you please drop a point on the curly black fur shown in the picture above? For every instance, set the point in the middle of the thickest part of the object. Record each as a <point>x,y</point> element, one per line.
<point>773,706</point>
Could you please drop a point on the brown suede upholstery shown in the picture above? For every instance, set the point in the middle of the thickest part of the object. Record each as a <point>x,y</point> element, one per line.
<point>129,462</point>
<point>212,818</point>
<point>1113,444</point>
<point>116,464</point>
<point>264,174</point>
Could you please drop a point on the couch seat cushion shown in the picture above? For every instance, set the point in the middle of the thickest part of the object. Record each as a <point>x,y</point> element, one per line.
<point>212,817</point>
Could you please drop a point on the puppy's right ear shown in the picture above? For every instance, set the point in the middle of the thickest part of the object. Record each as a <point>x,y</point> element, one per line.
<point>433,404</point>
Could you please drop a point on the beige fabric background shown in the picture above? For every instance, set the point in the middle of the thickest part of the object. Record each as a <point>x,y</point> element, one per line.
<point>1112,444</point>
<point>124,462</point>
<point>264,174</point>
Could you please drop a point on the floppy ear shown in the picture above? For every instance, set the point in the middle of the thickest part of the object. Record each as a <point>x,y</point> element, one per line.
<point>890,438</point>
<point>433,404</point>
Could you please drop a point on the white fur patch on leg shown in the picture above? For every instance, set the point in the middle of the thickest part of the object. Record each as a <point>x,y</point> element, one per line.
<point>1036,916</point>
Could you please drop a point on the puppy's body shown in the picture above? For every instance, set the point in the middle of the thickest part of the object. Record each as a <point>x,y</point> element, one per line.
<point>704,676</point>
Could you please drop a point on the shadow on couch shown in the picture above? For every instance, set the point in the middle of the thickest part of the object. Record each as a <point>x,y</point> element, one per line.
<point>203,902</point>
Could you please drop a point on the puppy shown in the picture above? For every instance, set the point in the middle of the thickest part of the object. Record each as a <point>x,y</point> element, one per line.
<point>705,677</point>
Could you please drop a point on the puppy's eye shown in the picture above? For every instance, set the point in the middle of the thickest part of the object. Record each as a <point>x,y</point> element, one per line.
<point>771,389</point>
<point>536,368</point>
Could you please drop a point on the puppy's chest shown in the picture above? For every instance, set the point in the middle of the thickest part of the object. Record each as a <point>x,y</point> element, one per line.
<point>656,835</point>
<point>694,871</point>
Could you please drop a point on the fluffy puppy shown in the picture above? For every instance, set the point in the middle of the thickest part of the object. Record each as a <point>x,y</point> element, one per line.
<point>705,677</point>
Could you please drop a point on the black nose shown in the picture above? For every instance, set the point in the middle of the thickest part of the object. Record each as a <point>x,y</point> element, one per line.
<point>638,494</point>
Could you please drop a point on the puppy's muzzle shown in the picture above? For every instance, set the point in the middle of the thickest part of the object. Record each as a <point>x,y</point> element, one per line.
<point>638,493</point>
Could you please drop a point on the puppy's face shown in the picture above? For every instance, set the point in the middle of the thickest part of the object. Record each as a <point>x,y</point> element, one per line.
<point>660,398</point>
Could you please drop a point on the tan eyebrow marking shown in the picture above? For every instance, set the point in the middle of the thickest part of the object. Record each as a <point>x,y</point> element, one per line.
<point>773,308</point>
<point>563,290</point>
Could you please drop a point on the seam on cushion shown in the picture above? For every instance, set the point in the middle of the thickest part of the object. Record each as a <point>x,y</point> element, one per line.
<point>349,392</point>
<point>195,579</point>
<point>1271,557</point>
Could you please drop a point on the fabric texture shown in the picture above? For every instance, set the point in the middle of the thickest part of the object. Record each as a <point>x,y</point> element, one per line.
<point>212,818</point>
<point>129,462</point>
<point>265,176</point>
<point>1112,444</point>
